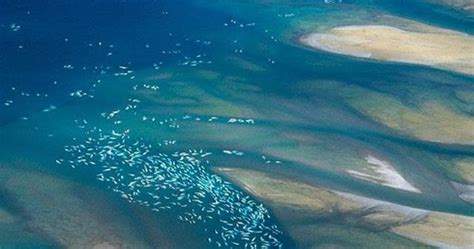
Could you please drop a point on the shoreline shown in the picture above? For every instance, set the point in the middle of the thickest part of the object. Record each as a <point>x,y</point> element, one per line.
<point>311,201</point>
<point>435,47</point>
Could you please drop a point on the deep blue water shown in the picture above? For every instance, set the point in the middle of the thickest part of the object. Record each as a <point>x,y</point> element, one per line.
<point>62,47</point>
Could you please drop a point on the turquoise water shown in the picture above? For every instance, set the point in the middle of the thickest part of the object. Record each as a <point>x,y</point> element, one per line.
<point>130,105</point>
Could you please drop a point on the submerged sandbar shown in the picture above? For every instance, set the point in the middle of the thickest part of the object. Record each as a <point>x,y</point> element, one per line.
<point>294,203</point>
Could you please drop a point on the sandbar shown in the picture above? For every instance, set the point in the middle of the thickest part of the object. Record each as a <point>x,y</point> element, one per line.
<point>295,203</point>
<point>434,47</point>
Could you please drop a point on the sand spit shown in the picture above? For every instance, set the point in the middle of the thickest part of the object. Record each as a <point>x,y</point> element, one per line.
<point>465,168</point>
<point>442,230</point>
<point>439,48</point>
<point>294,203</point>
<point>466,191</point>
<point>430,120</point>
<point>382,172</point>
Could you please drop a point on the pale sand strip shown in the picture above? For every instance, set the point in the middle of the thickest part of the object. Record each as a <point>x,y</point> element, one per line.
<point>385,174</point>
<point>438,229</point>
<point>438,48</point>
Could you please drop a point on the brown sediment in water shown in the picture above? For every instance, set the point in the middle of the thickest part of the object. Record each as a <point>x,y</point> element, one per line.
<point>6,217</point>
<point>53,208</point>
<point>433,119</point>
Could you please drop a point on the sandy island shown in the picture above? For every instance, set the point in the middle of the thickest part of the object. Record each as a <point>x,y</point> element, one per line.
<point>435,47</point>
<point>295,203</point>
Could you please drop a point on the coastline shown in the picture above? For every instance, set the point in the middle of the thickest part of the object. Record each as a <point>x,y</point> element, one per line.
<point>435,47</point>
<point>295,202</point>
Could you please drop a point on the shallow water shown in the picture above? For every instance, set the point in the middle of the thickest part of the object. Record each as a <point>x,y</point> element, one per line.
<point>138,101</point>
